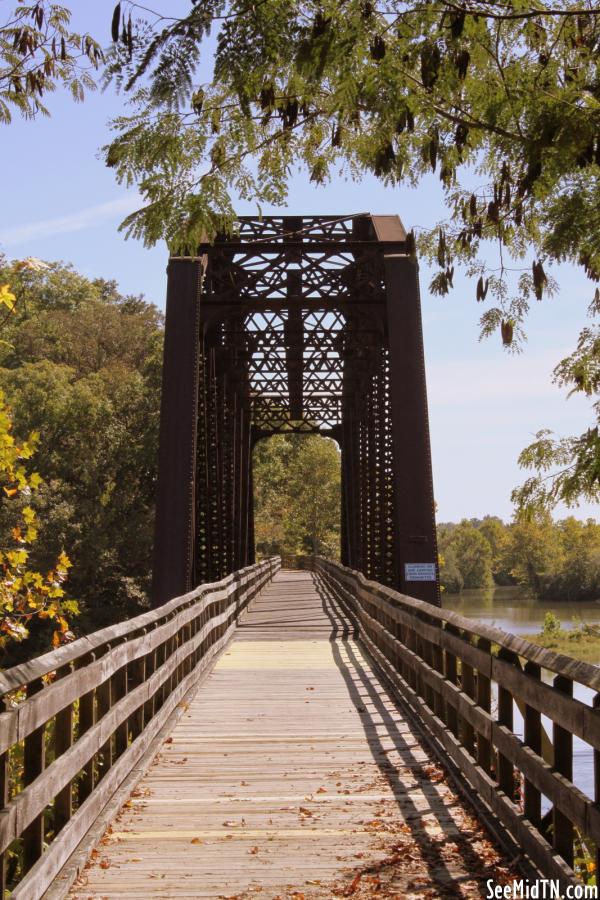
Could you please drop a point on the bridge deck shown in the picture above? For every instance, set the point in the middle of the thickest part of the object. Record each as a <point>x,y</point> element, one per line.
<point>292,773</point>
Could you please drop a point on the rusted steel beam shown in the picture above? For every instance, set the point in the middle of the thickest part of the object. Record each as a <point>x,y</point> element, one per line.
<point>174,527</point>
<point>294,344</point>
<point>415,542</point>
<point>309,325</point>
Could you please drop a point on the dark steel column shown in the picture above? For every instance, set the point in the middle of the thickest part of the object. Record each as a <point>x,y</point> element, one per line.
<point>174,526</point>
<point>250,535</point>
<point>245,495</point>
<point>415,536</point>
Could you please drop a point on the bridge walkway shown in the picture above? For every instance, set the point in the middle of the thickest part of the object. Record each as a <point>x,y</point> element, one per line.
<point>292,773</point>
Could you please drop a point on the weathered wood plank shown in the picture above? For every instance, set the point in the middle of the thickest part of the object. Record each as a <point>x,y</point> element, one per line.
<point>576,670</point>
<point>41,875</point>
<point>110,701</point>
<point>17,676</point>
<point>292,770</point>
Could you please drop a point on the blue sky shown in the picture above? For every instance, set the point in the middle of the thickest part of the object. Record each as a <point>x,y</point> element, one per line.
<point>59,201</point>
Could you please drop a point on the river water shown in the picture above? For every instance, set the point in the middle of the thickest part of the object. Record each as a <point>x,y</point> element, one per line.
<point>512,609</point>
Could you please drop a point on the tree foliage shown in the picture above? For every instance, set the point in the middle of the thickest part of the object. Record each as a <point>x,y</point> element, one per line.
<point>553,560</point>
<point>567,468</point>
<point>80,364</point>
<point>466,557</point>
<point>25,594</point>
<point>501,100</point>
<point>38,51</point>
<point>297,495</point>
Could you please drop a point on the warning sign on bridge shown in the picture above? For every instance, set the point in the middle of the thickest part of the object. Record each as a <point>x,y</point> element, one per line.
<point>419,571</point>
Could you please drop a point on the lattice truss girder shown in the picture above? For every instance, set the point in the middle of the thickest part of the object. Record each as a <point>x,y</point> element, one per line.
<point>293,339</point>
<point>292,322</point>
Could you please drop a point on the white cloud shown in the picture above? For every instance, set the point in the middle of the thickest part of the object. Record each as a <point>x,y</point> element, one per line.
<point>77,221</point>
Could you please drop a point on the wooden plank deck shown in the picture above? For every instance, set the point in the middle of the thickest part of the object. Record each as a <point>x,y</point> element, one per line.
<point>292,774</point>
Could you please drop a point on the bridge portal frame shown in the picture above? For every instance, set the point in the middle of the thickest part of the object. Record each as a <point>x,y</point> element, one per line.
<point>244,359</point>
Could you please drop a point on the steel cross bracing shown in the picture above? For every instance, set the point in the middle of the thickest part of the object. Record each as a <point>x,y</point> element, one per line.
<point>306,325</point>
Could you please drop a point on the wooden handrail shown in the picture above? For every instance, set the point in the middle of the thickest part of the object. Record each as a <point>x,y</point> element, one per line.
<point>78,720</point>
<point>446,666</point>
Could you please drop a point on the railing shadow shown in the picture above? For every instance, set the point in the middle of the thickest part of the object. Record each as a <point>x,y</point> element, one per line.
<point>362,691</point>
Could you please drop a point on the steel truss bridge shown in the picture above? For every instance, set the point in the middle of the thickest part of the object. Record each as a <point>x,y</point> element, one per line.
<point>306,325</point>
<point>320,732</point>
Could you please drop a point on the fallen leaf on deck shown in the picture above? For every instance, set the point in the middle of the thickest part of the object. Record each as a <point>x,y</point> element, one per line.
<point>354,883</point>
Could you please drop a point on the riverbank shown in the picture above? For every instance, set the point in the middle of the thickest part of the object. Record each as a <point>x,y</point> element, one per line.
<point>581,642</point>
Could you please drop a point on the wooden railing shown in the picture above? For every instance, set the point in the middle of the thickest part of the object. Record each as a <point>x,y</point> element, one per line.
<point>78,719</point>
<point>466,681</point>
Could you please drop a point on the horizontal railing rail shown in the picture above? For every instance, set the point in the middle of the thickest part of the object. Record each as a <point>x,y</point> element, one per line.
<point>466,681</point>
<point>77,720</point>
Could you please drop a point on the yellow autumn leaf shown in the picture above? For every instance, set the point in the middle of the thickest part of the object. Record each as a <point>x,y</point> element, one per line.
<point>28,515</point>
<point>35,480</point>
<point>6,297</point>
<point>63,561</point>
<point>17,557</point>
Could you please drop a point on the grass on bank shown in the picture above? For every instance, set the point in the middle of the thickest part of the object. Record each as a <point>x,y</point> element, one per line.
<point>581,641</point>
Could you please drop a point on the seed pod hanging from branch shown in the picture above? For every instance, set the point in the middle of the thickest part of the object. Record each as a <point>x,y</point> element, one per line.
<point>482,288</point>
<point>377,48</point>
<point>441,251</point>
<point>430,64</point>
<point>539,279</point>
<point>507,332</point>
<point>115,24</point>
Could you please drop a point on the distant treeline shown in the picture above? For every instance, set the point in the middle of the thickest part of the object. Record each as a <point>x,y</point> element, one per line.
<point>554,560</point>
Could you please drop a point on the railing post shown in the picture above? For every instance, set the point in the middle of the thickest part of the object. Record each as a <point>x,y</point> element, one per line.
<point>137,678</point>
<point>437,655</point>
<point>532,799</point>
<point>411,643</point>
<point>4,800</point>
<point>562,739</point>
<point>151,666</point>
<point>467,679</point>
<point>423,688</point>
<point>452,677</point>
<point>86,720</point>
<point>104,700</point>
<point>34,758</point>
<point>505,774</point>
<point>63,739</point>
<point>119,690</point>
<point>484,700</point>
